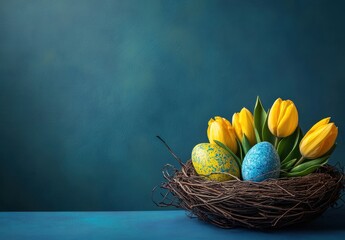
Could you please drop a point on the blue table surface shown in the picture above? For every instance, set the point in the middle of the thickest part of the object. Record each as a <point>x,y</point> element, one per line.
<point>168,224</point>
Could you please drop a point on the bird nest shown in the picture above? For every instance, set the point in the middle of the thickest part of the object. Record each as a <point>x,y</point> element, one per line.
<point>271,204</point>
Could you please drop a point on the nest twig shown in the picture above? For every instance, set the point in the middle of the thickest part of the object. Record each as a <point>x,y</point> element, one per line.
<point>269,204</point>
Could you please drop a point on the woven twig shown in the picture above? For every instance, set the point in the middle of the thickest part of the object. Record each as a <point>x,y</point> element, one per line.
<point>270,204</point>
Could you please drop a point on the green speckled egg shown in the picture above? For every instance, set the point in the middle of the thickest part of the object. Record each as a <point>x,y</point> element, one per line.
<point>209,158</point>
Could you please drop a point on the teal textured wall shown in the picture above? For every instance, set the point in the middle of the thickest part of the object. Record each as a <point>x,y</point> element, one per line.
<point>85,86</point>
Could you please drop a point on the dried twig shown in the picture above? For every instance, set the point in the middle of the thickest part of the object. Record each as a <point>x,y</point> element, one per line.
<point>269,204</point>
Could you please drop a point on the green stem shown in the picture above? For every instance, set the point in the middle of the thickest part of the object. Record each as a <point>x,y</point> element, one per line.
<point>276,140</point>
<point>299,162</point>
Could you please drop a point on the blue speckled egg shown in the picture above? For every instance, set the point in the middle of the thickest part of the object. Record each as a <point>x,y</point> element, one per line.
<point>261,162</point>
<point>211,161</point>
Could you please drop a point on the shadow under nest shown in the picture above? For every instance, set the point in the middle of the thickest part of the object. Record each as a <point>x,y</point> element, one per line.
<point>271,204</point>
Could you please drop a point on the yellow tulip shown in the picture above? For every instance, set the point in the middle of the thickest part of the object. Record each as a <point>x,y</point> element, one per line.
<point>220,129</point>
<point>283,118</point>
<point>243,123</point>
<point>319,139</point>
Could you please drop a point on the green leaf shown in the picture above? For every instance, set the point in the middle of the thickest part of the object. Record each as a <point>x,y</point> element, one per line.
<point>308,164</point>
<point>266,133</point>
<point>245,144</point>
<point>305,171</point>
<point>257,135</point>
<point>294,153</point>
<point>238,161</point>
<point>286,144</point>
<point>286,167</point>
<point>289,164</point>
<point>259,118</point>
<point>240,150</point>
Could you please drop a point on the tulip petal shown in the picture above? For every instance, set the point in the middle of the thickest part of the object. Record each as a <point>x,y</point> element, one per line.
<point>320,123</point>
<point>329,141</point>
<point>282,129</point>
<point>273,116</point>
<point>244,120</point>
<point>233,142</point>
<point>283,118</point>
<point>289,122</point>
<point>247,117</point>
<point>220,129</point>
<point>282,111</point>
<point>319,135</point>
<point>312,140</point>
<point>227,123</point>
<point>311,143</point>
<point>209,126</point>
<point>237,125</point>
<point>208,132</point>
<point>243,123</point>
<point>217,132</point>
<point>247,123</point>
<point>218,119</point>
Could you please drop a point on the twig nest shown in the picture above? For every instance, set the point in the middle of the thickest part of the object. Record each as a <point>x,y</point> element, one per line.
<point>270,204</point>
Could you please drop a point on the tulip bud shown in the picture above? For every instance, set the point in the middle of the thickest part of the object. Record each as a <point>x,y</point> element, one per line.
<point>243,123</point>
<point>283,118</point>
<point>220,129</point>
<point>319,139</point>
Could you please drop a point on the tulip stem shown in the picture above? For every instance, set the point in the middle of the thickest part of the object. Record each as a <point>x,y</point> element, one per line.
<point>276,140</point>
<point>299,162</point>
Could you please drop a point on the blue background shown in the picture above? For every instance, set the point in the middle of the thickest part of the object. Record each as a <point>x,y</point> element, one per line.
<point>85,86</point>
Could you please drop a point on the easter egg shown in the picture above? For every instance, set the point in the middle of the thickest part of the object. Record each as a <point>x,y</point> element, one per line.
<point>261,162</point>
<point>208,159</point>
